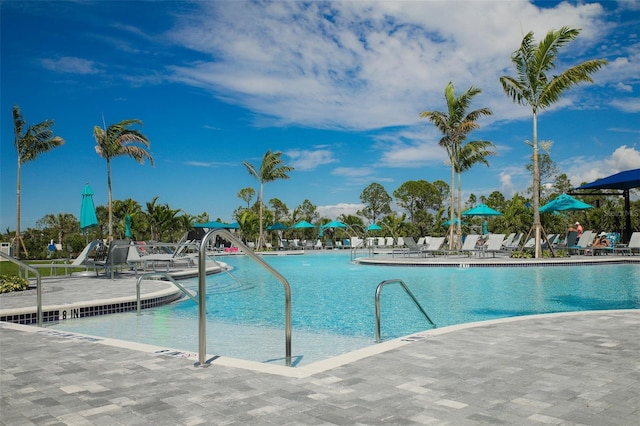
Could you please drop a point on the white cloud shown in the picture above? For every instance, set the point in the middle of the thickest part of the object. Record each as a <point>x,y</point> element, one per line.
<point>70,65</point>
<point>304,160</point>
<point>627,105</point>
<point>335,210</point>
<point>362,64</point>
<point>583,169</point>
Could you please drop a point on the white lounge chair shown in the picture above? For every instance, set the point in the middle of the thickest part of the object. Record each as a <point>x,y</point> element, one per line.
<point>631,247</point>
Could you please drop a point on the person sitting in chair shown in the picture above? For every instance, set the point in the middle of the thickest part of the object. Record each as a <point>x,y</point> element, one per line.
<point>578,229</point>
<point>601,241</point>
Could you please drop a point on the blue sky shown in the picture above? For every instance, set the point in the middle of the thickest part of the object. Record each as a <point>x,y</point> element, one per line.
<point>337,87</point>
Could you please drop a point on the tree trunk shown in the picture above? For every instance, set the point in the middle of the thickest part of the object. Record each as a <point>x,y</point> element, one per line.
<point>452,215</point>
<point>110,237</point>
<point>536,189</point>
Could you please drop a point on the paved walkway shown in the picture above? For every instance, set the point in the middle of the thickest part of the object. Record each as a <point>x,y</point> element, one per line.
<point>577,369</point>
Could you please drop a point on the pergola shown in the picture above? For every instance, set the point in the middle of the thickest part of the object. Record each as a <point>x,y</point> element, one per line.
<point>624,182</point>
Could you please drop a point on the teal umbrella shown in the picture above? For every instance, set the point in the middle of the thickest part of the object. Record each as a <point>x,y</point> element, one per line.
<point>481,210</point>
<point>455,220</point>
<point>127,228</point>
<point>88,218</point>
<point>374,227</point>
<point>334,224</point>
<point>563,203</point>
<point>277,227</point>
<point>303,224</point>
<point>214,224</point>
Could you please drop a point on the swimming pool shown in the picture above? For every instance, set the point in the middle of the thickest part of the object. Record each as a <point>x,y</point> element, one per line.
<point>333,309</point>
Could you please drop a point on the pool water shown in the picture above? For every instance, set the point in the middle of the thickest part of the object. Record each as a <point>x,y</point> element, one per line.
<point>333,304</point>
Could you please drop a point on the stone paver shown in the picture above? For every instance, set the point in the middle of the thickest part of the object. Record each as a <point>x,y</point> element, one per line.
<point>570,369</point>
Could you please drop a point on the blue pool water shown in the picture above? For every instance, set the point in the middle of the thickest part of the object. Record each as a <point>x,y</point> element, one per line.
<point>333,308</point>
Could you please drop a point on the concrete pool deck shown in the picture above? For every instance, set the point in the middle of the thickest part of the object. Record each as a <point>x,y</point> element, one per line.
<point>571,368</point>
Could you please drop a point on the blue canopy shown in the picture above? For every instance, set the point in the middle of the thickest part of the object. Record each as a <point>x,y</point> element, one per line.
<point>374,227</point>
<point>628,179</point>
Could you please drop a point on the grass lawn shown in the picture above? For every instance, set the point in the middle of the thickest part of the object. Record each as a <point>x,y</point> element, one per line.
<point>10,268</point>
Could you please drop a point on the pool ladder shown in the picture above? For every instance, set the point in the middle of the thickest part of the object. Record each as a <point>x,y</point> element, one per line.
<point>409,293</point>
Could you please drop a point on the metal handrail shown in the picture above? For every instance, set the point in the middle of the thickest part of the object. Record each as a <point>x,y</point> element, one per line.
<point>406,289</point>
<point>167,277</point>
<point>202,303</point>
<point>38,284</point>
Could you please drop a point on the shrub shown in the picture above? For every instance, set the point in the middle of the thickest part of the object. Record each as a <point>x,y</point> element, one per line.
<point>9,283</point>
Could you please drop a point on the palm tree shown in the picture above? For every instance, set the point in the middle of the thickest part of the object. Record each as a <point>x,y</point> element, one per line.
<point>455,125</point>
<point>534,86</point>
<point>271,168</point>
<point>30,143</point>
<point>117,140</point>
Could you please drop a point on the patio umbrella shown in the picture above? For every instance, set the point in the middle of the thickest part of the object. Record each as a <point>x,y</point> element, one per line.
<point>214,224</point>
<point>455,220</point>
<point>374,227</point>
<point>88,218</point>
<point>277,227</point>
<point>334,224</point>
<point>481,210</point>
<point>127,228</point>
<point>303,224</point>
<point>564,203</point>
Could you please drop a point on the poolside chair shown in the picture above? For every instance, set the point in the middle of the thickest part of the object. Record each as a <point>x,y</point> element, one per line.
<point>116,255</point>
<point>410,248</point>
<point>493,245</point>
<point>328,244</point>
<point>583,243</point>
<point>509,239</point>
<point>468,245</point>
<point>514,244</point>
<point>434,246</point>
<point>318,244</point>
<point>631,247</point>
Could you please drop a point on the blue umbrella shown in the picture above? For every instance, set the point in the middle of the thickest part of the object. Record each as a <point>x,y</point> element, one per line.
<point>455,220</point>
<point>277,227</point>
<point>374,227</point>
<point>88,218</point>
<point>334,224</point>
<point>217,225</point>
<point>481,210</point>
<point>563,203</point>
<point>303,224</point>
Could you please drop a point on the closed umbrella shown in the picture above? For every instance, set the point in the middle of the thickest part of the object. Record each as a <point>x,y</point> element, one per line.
<point>127,228</point>
<point>88,218</point>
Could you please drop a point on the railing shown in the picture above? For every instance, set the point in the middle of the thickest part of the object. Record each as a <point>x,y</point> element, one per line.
<point>167,277</point>
<point>202,303</point>
<point>411,296</point>
<point>38,281</point>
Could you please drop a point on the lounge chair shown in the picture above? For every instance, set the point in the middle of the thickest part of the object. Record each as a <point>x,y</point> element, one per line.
<point>493,245</point>
<point>514,244</point>
<point>410,248</point>
<point>434,246</point>
<point>318,244</point>
<point>583,243</point>
<point>468,245</point>
<point>328,244</point>
<point>631,247</point>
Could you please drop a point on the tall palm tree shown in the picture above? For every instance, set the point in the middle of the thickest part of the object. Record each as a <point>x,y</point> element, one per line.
<point>455,125</point>
<point>118,140</point>
<point>538,85</point>
<point>30,143</point>
<point>271,168</point>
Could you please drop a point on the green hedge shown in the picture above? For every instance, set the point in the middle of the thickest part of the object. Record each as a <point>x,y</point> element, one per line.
<point>9,283</point>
